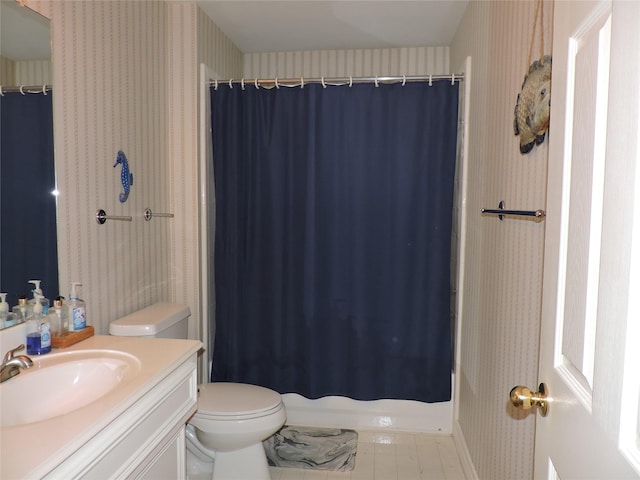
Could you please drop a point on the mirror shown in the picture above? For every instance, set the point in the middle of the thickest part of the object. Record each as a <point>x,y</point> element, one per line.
<point>25,36</point>
<point>25,59</point>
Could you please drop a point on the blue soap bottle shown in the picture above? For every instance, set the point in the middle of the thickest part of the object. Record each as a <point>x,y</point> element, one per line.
<point>38,330</point>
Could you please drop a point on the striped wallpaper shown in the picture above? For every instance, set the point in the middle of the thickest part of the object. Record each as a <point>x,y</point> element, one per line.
<point>182,135</point>
<point>355,63</point>
<point>503,268</point>
<point>111,93</point>
<point>33,72</point>
<point>7,71</point>
<point>125,77</point>
<point>216,50</point>
<point>193,40</point>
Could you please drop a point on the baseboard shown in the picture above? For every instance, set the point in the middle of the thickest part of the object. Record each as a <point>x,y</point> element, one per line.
<point>463,453</point>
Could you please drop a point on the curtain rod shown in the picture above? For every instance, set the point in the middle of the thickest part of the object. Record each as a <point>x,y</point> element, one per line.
<point>24,89</point>
<point>301,81</point>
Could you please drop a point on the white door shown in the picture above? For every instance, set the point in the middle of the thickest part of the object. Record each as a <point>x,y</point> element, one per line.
<point>590,336</point>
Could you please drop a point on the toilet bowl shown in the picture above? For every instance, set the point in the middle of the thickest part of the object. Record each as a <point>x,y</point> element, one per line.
<point>230,424</point>
<point>232,419</point>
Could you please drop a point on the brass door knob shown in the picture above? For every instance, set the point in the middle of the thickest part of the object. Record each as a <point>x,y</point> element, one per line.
<point>524,399</point>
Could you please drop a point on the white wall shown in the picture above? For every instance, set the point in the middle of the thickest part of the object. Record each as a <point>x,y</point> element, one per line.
<point>503,268</point>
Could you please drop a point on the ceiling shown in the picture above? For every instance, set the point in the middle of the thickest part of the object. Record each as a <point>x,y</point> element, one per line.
<point>280,26</point>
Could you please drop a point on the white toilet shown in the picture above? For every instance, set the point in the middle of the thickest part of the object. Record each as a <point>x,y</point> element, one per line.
<point>232,419</point>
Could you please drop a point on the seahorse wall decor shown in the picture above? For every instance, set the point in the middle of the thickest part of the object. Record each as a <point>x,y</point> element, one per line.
<point>126,176</point>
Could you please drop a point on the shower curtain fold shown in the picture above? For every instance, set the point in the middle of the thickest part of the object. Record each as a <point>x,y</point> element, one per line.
<point>332,244</point>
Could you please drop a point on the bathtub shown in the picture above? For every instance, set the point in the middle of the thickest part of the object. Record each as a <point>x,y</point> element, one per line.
<point>398,415</point>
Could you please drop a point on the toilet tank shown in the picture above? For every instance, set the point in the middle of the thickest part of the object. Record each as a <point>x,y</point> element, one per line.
<point>162,320</point>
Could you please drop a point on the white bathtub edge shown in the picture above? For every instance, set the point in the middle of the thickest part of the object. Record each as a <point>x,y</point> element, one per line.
<point>396,415</point>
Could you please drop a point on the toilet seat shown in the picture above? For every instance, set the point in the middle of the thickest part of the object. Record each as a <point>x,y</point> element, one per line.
<point>236,401</point>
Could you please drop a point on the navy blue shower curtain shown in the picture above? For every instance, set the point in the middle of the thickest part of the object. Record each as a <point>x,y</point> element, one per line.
<point>28,234</point>
<point>332,244</point>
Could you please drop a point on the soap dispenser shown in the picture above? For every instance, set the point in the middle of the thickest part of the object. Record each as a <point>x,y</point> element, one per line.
<point>58,318</point>
<point>77,314</point>
<point>38,291</point>
<point>38,330</point>
<point>22,310</point>
<point>4,306</point>
<point>4,311</point>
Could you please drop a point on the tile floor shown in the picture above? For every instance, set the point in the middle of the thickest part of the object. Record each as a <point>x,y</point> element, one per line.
<point>391,456</point>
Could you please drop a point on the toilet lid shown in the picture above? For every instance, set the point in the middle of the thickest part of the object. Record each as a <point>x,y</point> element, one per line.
<point>235,399</point>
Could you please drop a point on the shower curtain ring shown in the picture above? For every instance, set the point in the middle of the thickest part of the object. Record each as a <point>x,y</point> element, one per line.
<point>430,81</point>
<point>350,81</point>
<point>230,84</point>
<point>277,86</point>
<point>256,83</point>
<point>21,90</point>
<point>44,89</point>
<point>301,82</point>
<point>1,92</point>
<point>404,80</point>
<point>242,83</point>
<point>376,81</point>
<point>324,85</point>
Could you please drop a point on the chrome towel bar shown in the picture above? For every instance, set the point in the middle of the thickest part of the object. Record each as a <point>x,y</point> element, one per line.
<point>148,214</point>
<point>102,217</point>
<point>538,215</point>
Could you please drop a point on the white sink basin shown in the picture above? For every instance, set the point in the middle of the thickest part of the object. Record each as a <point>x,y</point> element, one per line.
<point>60,383</point>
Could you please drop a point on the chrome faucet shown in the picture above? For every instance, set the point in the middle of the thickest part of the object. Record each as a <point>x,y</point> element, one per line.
<point>11,364</point>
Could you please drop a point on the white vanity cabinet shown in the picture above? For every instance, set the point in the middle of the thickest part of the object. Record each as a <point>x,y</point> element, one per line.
<point>147,440</point>
<point>135,432</point>
<point>168,463</point>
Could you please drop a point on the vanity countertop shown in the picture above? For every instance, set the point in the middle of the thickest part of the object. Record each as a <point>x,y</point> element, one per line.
<point>34,449</point>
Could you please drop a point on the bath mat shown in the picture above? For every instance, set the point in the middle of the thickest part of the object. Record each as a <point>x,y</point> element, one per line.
<point>312,448</point>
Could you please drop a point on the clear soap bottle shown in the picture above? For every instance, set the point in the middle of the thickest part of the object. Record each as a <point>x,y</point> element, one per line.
<point>4,311</point>
<point>22,309</point>
<point>76,310</point>
<point>58,318</point>
<point>38,291</point>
